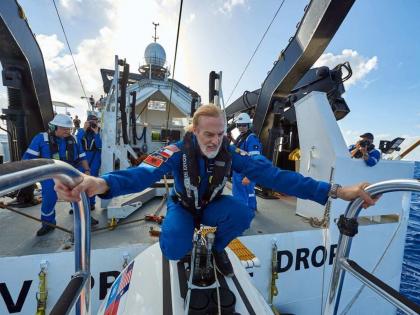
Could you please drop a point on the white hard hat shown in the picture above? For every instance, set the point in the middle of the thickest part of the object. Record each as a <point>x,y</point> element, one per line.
<point>243,118</point>
<point>62,120</point>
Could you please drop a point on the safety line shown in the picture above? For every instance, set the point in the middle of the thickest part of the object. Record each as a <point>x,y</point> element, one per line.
<point>71,53</point>
<point>255,51</point>
<point>173,71</point>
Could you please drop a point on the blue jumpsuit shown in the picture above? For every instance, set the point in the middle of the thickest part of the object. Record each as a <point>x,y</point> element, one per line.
<point>40,148</point>
<point>93,152</point>
<point>246,193</point>
<point>230,216</point>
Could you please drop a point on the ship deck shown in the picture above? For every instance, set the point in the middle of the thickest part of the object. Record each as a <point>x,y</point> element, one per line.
<point>18,233</point>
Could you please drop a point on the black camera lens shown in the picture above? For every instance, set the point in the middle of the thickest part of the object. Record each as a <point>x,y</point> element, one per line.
<point>93,125</point>
<point>364,143</point>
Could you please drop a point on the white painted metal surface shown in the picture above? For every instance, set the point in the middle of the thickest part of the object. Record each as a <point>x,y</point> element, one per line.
<point>145,292</point>
<point>19,276</point>
<point>324,156</point>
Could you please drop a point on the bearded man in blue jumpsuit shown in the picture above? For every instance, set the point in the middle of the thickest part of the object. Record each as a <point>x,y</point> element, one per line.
<point>242,188</point>
<point>59,144</point>
<point>91,142</point>
<point>200,164</point>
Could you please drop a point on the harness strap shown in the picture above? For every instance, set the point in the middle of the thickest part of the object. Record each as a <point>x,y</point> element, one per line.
<point>85,142</point>
<point>51,139</point>
<point>190,199</point>
<point>242,138</point>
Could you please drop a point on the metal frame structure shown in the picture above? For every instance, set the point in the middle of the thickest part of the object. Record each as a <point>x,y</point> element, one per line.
<point>115,137</point>
<point>291,78</point>
<point>20,174</point>
<point>25,77</point>
<point>342,263</point>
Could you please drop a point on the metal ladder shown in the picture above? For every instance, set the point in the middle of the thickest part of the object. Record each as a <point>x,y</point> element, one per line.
<point>348,229</point>
<point>16,175</point>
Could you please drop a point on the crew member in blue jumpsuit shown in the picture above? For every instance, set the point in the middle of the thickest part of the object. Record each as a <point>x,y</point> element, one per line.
<point>242,188</point>
<point>90,139</point>
<point>365,149</point>
<point>196,163</point>
<point>59,144</point>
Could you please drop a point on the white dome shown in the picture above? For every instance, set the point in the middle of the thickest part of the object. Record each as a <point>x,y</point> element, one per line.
<point>155,55</point>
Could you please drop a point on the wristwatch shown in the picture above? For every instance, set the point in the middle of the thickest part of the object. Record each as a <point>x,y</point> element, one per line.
<point>333,191</point>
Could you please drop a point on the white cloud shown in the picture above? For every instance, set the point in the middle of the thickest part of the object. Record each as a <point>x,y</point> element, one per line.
<point>351,136</point>
<point>360,65</point>
<point>121,36</point>
<point>70,6</point>
<point>62,77</point>
<point>51,48</point>
<point>228,5</point>
<point>3,98</point>
<point>190,18</point>
<point>3,103</point>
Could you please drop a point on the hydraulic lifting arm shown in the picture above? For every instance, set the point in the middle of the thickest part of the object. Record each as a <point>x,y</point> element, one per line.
<point>291,77</point>
<point>29,106</point>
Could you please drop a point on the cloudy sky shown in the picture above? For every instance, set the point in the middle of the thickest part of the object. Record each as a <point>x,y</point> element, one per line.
<point>378,38</point>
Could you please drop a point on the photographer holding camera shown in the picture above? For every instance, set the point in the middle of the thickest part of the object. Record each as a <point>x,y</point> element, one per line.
<point>365,149</point>
<point>91,141</point>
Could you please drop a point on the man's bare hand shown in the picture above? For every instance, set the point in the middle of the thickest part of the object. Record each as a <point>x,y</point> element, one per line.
<point>245,181</point>
<point>90,185</point>
<point>363,150</point>
<point>350,193</point>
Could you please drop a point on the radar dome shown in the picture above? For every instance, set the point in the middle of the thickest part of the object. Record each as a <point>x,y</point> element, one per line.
<point>155,55</point>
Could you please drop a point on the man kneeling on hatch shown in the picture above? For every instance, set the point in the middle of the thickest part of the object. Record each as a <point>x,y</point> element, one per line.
<point>201,163</point>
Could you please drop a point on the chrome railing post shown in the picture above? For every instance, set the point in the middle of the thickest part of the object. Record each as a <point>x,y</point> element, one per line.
<point>82,250</point>
<point>344,244</point>
<point>16,175</point>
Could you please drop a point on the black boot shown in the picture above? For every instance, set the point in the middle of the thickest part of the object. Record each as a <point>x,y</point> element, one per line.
<point>223,263</point>
<point>92,207</point>
<point>45,229</point>
<point>93,221</point>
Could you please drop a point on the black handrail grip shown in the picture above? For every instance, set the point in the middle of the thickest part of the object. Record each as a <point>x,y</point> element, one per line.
<point>9,168</point>
<point>379,283</point>
<point>70,295</point>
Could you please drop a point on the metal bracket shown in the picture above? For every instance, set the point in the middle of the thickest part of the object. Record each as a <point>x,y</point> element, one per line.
<point>348,226</point>
<point>126,259</point>
<point>44,265</point>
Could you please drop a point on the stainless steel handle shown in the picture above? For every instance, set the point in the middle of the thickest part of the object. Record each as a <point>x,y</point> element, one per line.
<point>16,175</point>
<point>344,245</point>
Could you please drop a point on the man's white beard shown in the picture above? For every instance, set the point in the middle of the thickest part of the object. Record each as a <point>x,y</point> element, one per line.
<point>209,155</point>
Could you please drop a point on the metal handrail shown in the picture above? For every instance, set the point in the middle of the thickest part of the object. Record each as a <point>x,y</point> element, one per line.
<point>16,175</point>
<point>343,264</point>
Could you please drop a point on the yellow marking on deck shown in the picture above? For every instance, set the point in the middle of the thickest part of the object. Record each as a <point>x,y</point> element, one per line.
<point>236,245</point>
<point>241,250</point>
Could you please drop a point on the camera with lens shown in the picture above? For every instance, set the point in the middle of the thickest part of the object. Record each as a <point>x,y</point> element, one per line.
<point>93,125</point>
<point>364,143</point>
